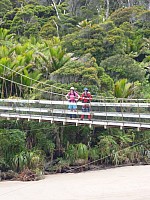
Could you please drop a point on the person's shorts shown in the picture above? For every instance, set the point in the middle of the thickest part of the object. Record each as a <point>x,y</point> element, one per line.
<point>72,107</point>
<point>86,108</point>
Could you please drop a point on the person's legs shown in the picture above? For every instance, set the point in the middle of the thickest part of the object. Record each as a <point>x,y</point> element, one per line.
<point>70,108</point>
<point>89,117</point>
<point>71,115</point>
<point>88,110</point>
<point>83,110</point>
<point>82,117</point>
<point>74,110</point>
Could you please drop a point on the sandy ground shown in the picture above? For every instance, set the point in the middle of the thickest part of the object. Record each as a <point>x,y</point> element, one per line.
<point>124,183</point>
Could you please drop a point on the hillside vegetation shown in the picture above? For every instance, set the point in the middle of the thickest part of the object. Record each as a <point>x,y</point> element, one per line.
<point>99,44</point>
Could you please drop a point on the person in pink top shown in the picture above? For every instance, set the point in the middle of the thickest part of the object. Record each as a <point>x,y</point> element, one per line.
<point>72,97</point>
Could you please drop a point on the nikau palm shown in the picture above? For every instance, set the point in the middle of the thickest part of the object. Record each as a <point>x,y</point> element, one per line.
<point>123,89</point>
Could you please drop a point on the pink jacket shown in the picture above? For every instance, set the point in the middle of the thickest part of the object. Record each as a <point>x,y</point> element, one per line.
<point>72,96</point>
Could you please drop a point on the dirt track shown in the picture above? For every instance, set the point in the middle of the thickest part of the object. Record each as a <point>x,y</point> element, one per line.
<point>125,183</point>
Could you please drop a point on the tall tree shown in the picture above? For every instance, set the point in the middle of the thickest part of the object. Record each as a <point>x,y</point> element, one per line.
<point>107,9</point>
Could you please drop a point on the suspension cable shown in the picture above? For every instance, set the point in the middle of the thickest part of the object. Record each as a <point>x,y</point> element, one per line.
<point>32,78</point>
<point>31,87</point>
<point>46,84</point>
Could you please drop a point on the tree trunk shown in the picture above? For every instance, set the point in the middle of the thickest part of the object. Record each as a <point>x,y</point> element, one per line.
<point>107,9</point>
<point>56,9</point>
<point>56,28</point>
<point>120,2</point>
<point>130,3</point>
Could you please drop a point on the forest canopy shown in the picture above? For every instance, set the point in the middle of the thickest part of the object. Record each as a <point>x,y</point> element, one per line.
<point>103,45</point>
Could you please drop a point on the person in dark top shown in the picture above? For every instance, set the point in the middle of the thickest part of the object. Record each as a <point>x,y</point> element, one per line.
<point>86,99</point>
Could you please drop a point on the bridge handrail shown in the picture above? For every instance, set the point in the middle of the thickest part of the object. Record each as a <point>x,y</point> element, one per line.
<point>50,102</point>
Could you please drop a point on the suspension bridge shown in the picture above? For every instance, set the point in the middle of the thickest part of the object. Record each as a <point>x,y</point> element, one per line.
<point>52,106</point>
<point>104,114</point>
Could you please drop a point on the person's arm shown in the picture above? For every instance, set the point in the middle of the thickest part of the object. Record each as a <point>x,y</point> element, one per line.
<point>77,96</point>
<point>90,97</point>
<point>82,97</point>
<point>67,96</point>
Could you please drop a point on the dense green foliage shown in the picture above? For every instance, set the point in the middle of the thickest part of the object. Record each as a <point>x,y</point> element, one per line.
<point>105,47</point>
<point>34,143</point>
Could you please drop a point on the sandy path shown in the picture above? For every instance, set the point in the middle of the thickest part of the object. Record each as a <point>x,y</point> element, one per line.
<point>125,183</point>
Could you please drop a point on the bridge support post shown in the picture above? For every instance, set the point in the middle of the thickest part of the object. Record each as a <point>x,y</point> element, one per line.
<point>121,127</point>
<point>105,127</point>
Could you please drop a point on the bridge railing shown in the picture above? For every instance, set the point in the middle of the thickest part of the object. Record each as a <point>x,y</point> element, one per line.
<point>105,110</point>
